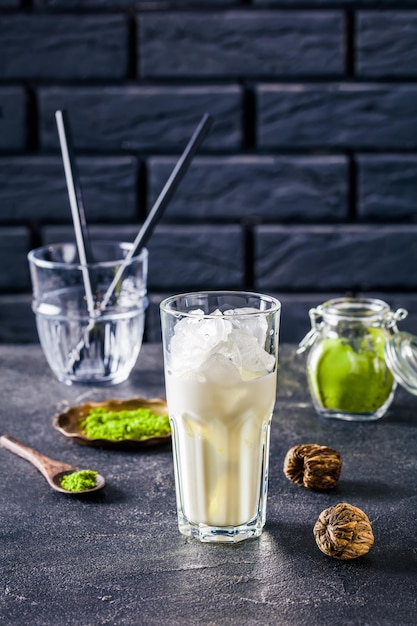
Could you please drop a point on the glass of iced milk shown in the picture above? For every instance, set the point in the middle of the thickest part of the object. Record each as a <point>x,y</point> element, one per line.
<point>220,358</point>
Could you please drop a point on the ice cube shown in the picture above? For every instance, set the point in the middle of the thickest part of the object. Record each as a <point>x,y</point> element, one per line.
<point>219,370</point>
<point>248,355</point>
<point>195,337</point>
<point>222,346</point>
<point>251,321</point>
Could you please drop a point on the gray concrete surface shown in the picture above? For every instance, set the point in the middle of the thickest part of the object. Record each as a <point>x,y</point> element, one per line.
<point>118,558</point>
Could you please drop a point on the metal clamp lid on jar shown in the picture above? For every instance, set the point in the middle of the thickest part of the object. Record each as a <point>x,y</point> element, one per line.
<point>400,348</point>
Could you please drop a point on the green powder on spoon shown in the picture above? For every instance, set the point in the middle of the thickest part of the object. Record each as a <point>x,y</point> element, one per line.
<point>79,481</point>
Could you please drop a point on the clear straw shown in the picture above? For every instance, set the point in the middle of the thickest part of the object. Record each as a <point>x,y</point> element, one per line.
<point>77,207</point>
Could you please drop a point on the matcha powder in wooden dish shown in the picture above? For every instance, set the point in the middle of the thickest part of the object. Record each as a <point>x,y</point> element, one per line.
<point>126,424</point>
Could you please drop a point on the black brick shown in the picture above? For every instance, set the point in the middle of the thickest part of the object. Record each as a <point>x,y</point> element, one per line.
<point>196,257</point>
<point>396,301</point>
<point>325,3</point>
<point>269,188</point>
<point>64,233</point>
<point>126,4</point>
<point>335,258</point>
<point>180,257</point>
<point>12,118</point>
<point>243,43</point>
<point>305,188</point>
<point>387,187</point>
<point>387,43</point>
<point>14,246</point>
<point>156,118</point>
<point>17,320</point>
<point>153,320</point>
<point>351,115</point>
<point>45,46</point>
<point>53,234</point>
<point>295,322</point>
<point>34,188</point>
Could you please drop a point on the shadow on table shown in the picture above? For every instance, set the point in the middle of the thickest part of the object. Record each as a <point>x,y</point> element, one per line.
<point>373,490</point>
<point>292,538</point>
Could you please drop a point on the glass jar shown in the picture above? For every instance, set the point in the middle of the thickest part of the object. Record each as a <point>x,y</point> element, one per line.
<point>347,370</point>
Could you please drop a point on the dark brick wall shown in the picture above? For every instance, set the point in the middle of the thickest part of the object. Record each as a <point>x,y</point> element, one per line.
<point>306,187</point>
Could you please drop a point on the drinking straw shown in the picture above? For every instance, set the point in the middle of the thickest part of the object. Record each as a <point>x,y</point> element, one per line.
<point>149,224</point>
<point>164,197</point>
<point>77,206</point>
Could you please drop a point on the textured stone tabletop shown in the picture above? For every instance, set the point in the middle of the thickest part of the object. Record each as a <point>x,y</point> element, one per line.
<point>116,557</point>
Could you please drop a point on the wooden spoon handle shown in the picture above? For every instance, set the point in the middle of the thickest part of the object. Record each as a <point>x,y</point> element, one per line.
<point>48,467</point>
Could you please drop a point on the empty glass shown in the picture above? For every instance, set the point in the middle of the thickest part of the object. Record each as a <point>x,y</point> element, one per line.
<point>83,346</point>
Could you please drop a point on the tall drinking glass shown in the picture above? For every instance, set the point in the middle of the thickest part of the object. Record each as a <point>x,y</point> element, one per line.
<point>220,359</point>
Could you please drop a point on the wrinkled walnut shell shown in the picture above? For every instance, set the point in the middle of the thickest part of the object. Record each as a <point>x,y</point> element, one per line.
<point>313,466</point>
<point>343,531</point>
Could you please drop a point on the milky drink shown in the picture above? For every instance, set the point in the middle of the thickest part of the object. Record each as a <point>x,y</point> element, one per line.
<point>221,387</point>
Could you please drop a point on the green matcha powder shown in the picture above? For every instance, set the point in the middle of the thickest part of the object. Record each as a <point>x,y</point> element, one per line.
<point>129,424</point>
<point>351,378</point>
<point>79,481</point>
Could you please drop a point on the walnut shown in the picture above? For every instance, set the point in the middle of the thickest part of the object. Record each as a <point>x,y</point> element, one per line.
<point>313,466</point>
<point>343,532</point>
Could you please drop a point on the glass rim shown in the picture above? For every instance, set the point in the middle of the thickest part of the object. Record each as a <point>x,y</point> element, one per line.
<point>352,308</point>
<point>35,258</point>
<point>165,303</point>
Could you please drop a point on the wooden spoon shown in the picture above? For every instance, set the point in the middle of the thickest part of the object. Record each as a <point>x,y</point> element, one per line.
<point>52,470</point>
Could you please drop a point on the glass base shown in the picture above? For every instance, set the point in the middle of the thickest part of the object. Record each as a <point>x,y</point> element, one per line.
<point>103,354</point>
<point>105,381</point>
<point>353,417</point>
<point>222,534</point>
<point>350,417</point>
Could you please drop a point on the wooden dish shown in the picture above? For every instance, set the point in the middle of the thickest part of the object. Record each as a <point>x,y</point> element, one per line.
<point>69,422</point>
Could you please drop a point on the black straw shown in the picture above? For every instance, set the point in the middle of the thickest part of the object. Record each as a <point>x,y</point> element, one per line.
<point>164,197</point>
